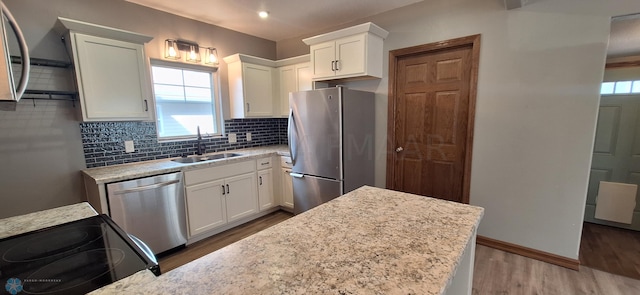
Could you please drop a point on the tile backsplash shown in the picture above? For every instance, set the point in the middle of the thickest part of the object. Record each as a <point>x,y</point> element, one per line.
<point>103,142</point>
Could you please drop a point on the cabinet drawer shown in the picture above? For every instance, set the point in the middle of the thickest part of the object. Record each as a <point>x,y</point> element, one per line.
<point>218,172</point>
<point>264,163</point>
<point>286,162</point>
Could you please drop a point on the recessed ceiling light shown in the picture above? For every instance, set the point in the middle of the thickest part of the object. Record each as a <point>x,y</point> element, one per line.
<point>263,14</point>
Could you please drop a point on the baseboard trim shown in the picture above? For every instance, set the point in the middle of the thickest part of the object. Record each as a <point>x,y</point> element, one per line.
<point>531,253</point>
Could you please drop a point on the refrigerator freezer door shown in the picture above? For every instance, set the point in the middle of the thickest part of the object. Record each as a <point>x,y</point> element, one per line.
<point>311,191</point>
<point>315,132</point>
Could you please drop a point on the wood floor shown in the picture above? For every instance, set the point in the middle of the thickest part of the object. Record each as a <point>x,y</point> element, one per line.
<point>498,272</point>
<point>206,246</point>
<point>611,249</point>
<point>495,272</point>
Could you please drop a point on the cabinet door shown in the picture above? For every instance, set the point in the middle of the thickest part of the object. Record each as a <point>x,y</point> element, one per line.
<point>287,188</point>
<point>322,56</point>
<point>205,207</point>
<point>287,84</point>
<point>303,77</point>
<point>242,196</point>
<point>265,189</point>
<point>258,90</point>
<point>350,55</point>
<point>112,79</point>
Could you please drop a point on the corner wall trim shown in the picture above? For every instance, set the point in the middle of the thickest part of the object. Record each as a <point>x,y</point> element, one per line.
<point>531,253</point>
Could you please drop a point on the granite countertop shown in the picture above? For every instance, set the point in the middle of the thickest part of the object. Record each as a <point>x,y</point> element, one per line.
<point>33,221</point>
<point>369,241</point>
<point>147,168</point>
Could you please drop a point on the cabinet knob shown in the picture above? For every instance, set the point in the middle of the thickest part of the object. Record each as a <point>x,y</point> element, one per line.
<point>399,149</point>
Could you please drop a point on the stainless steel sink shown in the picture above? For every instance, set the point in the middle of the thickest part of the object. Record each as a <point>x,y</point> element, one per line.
<point>197,159</point>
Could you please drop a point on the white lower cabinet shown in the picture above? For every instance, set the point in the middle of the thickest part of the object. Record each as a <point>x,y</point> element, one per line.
<point>206,207</point>
<point>241,196</point>
<point>218,195</point>
<point>287,188</point>
<point>287,183</point>
<point>265,190</point>
<point>266,196</point>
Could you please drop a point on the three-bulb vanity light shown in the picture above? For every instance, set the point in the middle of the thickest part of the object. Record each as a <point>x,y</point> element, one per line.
<point>173,49</point>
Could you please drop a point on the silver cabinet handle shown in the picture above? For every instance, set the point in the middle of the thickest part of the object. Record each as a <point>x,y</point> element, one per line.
<point>333,65</point>
<point>223,193</point>
<point>148,187</point>
<point>227,189</point>
<point>248,107</point>
<point>337,68</point>
<point>399,149</point>
<point>264,163</point>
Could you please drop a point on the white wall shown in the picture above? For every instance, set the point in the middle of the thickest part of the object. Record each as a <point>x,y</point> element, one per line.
<point>538,95</point>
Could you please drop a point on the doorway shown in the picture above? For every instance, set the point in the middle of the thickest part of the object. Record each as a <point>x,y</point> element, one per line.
<point>432,95</point>
<point>611,238</point>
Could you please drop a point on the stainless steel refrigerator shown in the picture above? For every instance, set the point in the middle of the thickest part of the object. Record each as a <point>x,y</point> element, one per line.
<point>331,140</point>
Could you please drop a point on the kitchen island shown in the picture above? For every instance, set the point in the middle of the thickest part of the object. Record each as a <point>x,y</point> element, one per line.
<point>369,241</point>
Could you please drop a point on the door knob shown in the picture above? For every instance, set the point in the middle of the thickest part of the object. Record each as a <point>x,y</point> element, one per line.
<point>399,149</point>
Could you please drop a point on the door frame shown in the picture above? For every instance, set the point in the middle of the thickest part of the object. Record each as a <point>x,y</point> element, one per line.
<point>394,56</point>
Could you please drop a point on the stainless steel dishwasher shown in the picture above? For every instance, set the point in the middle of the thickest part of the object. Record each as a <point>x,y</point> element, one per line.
<point>151,209</point>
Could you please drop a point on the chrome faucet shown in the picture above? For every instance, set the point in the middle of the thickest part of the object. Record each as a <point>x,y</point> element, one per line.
<point>200,148</point>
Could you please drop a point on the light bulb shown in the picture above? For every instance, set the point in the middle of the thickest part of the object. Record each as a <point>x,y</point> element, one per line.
<point>172,52</point>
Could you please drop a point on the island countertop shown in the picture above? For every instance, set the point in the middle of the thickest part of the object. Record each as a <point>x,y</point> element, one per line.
<point>369,241</point>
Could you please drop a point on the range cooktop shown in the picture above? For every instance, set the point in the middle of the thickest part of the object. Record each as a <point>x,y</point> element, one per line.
<point>72,258</point>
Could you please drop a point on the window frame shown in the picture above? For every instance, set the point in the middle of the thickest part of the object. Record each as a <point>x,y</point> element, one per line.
<point>615,87</point>
<point>216,99</point>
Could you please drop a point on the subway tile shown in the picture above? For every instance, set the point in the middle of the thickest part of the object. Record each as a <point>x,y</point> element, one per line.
<point>103,142</point>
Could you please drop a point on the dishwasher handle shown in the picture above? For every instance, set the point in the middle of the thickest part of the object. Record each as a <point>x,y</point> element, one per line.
<point>147,187</point>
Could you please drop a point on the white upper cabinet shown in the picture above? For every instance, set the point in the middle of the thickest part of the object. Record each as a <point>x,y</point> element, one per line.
<point>354,52</point>
<point>111,71</point>
<point>251,86</point>
<point>295,77</point>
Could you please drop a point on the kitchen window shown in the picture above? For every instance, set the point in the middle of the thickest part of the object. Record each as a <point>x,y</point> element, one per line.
<point>186,97</point>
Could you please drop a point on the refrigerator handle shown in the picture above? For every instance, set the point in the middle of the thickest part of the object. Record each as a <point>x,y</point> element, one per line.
<point>296,175</point>
<point>289,130</point>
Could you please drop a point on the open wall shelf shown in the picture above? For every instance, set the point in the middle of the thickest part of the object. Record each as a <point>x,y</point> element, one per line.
<point>41,62</point>
<point>47,94</point>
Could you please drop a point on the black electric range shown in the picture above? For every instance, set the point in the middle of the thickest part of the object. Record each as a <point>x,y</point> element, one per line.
<point>72,258</point>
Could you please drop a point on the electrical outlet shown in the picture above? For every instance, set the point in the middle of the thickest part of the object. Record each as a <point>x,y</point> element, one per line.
<point>233,138</point>
<point>248,136</point>
<point>128,146</point>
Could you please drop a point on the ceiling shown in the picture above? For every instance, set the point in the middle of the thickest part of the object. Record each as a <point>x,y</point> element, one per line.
<point>624,39</point>
<point>287,18</point>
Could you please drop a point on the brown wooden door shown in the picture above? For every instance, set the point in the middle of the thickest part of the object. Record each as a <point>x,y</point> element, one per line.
<point>430,131</point>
